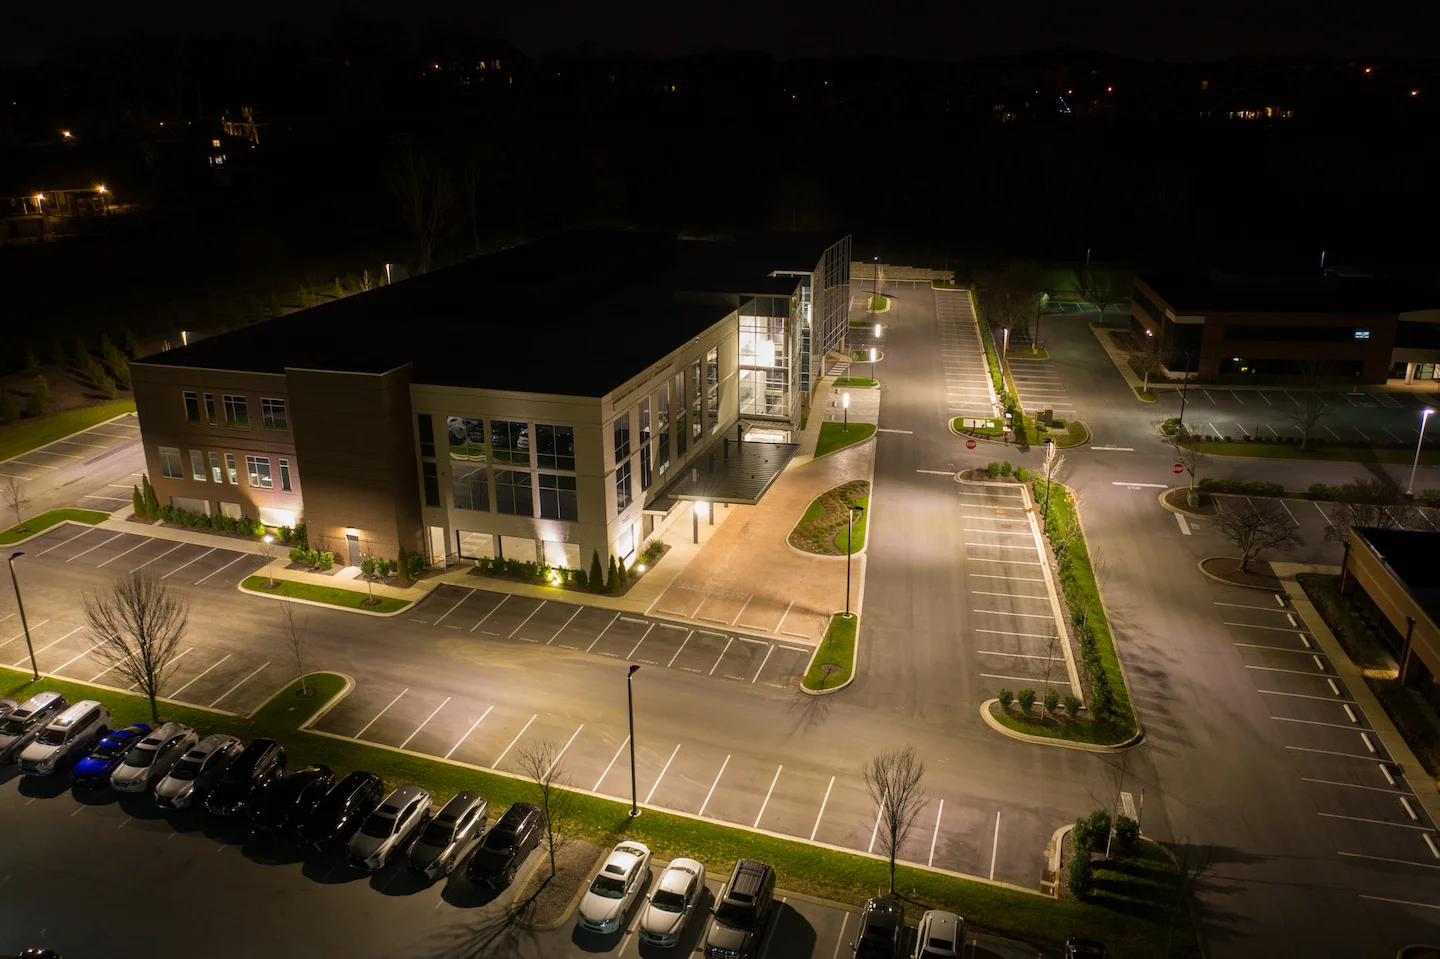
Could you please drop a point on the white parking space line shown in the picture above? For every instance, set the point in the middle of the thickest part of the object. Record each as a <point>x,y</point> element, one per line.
<point>63,542</point>
<point>981,592</point>
<point>1001,546</point>
<point>491,613</point>
<point>381,713</point>
<point>239,684</point>
<point>561,754</point>
<point>67,662</point>
<point>183,652</point>
<point>783,615</point>
<point>527,619</point>
<point>1332,752</point>
<point>1242,428</point>
<point>756,823</point>
<point>22,632</point>
<point>762,663</point>
<point>161,556</point>
<point>721,656</point>
<point>1375,822</point>
<point>1333,434</point>
<point>992,532</point>
<point>1401,902</point>
<point>222,568</point>
<point>183,565</point>
<point>681,649</point>
<point>1273,629</point>
<point>452,609</point>
<point>1315,722</point>
<point>1265,398</point>
<point>1274,649</point>
<point>631,654</point>
<point>663,770</point>
<point>936,834</point>
<point>1379,789</point>
<point>558,631</point>
<point>879,811</point>
<point>742,609</point>
<point>1006,632</point>
<point>618,751</point>
<point>469,731</point>
<point>422,725</point>
<point>507,749</point>
<point>996,652</point>
<point>1005,612</point>
<point>176,694</point>
<point>1012,679</point>
<point>1402,862</point>
<point>1018,579</point>
<point>821,815</point>
<point>132,549</point>
<point>995,845</point>
<point>95,547</point>
<point>601,633</point>
<point>1237,397</point>
<point>48,645</point>
<point>1184,526</point>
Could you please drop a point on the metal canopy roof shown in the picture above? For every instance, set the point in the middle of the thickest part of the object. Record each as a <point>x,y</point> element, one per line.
<point>727,472</point>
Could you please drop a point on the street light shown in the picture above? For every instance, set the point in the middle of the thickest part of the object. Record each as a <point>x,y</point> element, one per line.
<point>872,362</point>
<point>849,527</point>
<point>1424,418</point>
<point>34,670</point>
<point>877,277</point>
<point>269,541</point>
<point>877,331</point>
<point>1184,391</point>
<point>630,699</point>
<point>1005,346</point>
<point>845,405</point>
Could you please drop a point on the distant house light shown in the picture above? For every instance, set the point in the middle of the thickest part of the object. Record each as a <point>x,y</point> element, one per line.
<point>1362,334</point>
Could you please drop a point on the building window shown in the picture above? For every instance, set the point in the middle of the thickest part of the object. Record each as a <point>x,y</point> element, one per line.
<point>1362,334</point>
<point>432,483</point>
<point>697,403</point>
<point>512,493</point>
<point>197,465</point>
<point>215,468</point>
<point>557,497</point>
<point>466,438</point>
<point>210,408</point>
<point>645,443</point>
<point>192,407</point>
<point>623,497</point>
<point>510,442</point>
<point>556,447</point>
<point>230,469</point>
<point>285,475</point>
<point>425,423</point>
<point>236,413</point>
<point>259,469</point>
<point>622,437</point>
<point>662,428</point>
<point>712,389</point>
<point>170,466</point>
<point>474,545</point>
<point>272,414</point>
<point>469,486</point>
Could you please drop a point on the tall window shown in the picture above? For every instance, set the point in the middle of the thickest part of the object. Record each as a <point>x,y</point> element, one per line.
<point>557,497</point>
<point>623,497</point>
<point>682,429</point>
<point>431,478</point>
<point>555,447</point>
<point>230,470</point>
<point>272,414</point>
<point>258,467</point>
<point>192,407</point>
<point>425,426</point>
<point>170,463</point>
<point>210,408</point>
<point>470,486</point>
<point>712,389</point>
<point>215,468</point>
<point>466,438</point>
<point>285,475</point>
<point>662,428</point>
<point>236,413</point>
<point>622,437</point>
<point>697,402</point>
<point>645,443</point>
<point>197,465</point>
<point>512,493</point>
<point>510,442</point>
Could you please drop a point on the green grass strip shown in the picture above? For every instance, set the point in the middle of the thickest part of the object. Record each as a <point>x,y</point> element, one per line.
<point>330,595</point>
<point>48,519</point>
<point>29,434</point>
<point>837,649</point>
<point>878,303</point>
<point>856,381</point>
<point>834,437</point>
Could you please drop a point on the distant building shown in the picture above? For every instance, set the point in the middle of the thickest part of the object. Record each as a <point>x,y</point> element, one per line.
<point>539,404</point>
<point>1390,575</point>
<point>1230,328</point>
<point>47,216</point>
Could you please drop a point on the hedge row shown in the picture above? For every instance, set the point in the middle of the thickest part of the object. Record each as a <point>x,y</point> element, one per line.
<point>997,376</point>
<point>242,525</point>
<point>1242,487</point>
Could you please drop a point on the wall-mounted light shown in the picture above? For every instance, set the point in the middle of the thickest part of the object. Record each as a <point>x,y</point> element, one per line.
<point>352,532</point>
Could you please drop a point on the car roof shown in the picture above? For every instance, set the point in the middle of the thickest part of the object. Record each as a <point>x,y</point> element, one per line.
<point>165,731</point>
<point>677,875</point>
<point>210,744</point>
<point>620,863</point>
<point>883,913</point>
<point>940,921</point>
<point>746,882</point>
<point>74,713</point>
<point>516,812</point>
<point>401,795</point>
<point>459,802</point>
<point>40,700</point>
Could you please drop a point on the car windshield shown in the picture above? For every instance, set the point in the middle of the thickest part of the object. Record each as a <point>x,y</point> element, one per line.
<point>12,727</point>
<point>378,826</point>
<point>437,834</point>
<point>874,944</point>
<point>668,901</point>
<point>608,886</point>
<point>140,757</point>
<point>188,769</point>
<point>51,737</point>
<point>106,750</point>
<point>737,917</point>
<point>498,841</point>
<point>942,947</point>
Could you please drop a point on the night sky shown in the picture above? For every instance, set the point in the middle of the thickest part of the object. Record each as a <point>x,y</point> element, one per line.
<point>948,30</point>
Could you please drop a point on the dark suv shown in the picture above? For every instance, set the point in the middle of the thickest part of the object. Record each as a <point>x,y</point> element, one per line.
<point>260,762</point>
<point>880,925</point>
<point>506,845</point>
<point>744,907</point>
<point>344,808</point>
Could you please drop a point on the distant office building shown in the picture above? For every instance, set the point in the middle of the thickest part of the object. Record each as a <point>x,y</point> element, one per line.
<point>1231,328</point>
<point>1391,577</point>
<point>538,404</point>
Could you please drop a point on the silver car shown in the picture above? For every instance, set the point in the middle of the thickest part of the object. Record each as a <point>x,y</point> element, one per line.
<point>197,771</point>
<point>673,903</point>
<point>25,722</point>
<point>390,828</point>
<point>615,888</point>
<point>941,935</point>
<point>450,836</point>
<point>152,759</point>
<point>66,738</point>
<point>7,706</point>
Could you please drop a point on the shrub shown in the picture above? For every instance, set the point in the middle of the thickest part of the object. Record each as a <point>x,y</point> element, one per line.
<point>1091,832</point>
<point>297,557</point>
<point>1051,701</point>
<point>1430,497</point>
<point>1080,877</point>
<point>652,551</point>
<point>612,578</point>
<point>1127,836</point>
<point>1005,698</point>
<point>39,400</point>
<point>1242,487</point>
<point>1006,468</point>
<point>327,559</point>
<point>9,409</point>
<point>1022,474</point>
<point>137,499</point>
<point>107,386</point>
<point>1072,706</point>
<point>367,566</point>
<point>402,564</point>
<point>1026,699</point>
<point>1171,426</point>
<point>992,469</point>
<point>301,538</point>
<point>132,345</point>
<point>415,565</point>
<point>152,504</point>
<point>597,573</point>
<point>1322,490</point>
<point>285,533</point>
<point>580,579</point>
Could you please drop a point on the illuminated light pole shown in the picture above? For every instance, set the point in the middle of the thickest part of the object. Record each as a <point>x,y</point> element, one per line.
<point>877,331</point>
<point>1424,418</point>
<point>849,552</point>
<point>269,543</point>
<point>1005,345</point>
<point>877,277</point>
<point>872,363</point>
<point>34,670</point>
<point>1184,391</point>
<point>845,406</point>
<point>630,700</point>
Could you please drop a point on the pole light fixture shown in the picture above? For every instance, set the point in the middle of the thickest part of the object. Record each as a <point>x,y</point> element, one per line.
<point>849,552</point>
<point>845,406</point>
<point>1005,346</point>
<point>1424,419</point>
<point>872,362</point>
<point>34,670</point>
<point>1184,389</point>
<point>877,331</point>
<point>630,700</point>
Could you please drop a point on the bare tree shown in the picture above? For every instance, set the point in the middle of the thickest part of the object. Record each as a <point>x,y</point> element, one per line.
<point>541,762</point>
<point>1256,527</point>
<point>1188,457</point>
<point>138,624</point>
<point>297,642</point>
<point>1149,359</point>
<point>1306,412</point>
<point>1378,502</point>
<point>477,173</point>
<point>425,196</point>
<point>894,780</point>
<point>1193,865</point>
<point>1096,287</point>
<point>14,498</point>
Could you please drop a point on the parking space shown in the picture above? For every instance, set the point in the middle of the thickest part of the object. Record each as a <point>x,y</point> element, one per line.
<point>968,391</point>
<point>1362,418</point>
<point>125,552</point>
<point>1040,387</point>
<point>75,449</point>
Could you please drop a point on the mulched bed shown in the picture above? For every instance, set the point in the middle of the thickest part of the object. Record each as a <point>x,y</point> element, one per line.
<point>1227,568</point>
<point>1175,498</point>
<point>569,585</point>
<point>544,901</point>
<point>816,534</point>
<point>980,476</point>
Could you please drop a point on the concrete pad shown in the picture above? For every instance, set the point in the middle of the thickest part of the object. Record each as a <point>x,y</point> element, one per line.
<point>784,668</point>
<point>702,652</point>
<point>619,638</point>
<point>681,599</point>
<point>804,625</point>
<point>508,616</point>
<point>661,645</point>
<point>763,614</point>
<point>721,608</point>
<point>545,624</point>
<point>584,628</point>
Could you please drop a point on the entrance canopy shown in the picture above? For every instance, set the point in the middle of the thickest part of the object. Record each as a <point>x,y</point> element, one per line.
<point>727,472</point>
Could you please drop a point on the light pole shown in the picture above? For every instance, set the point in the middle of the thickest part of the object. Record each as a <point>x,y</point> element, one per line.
<point>872,363</point>
<point>34,670</point>
<point>1424,418</point>
<point>845,405</point>
<point>1005,345</point>
<point>1049,467</point>
<point>877,277</point>
<point>877,331</point>
<point>1184,389</point>
<point>630,698</point>
<point>269,554</point>
<point>849,530</point>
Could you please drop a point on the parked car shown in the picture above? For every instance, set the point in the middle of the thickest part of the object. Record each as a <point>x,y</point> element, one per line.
<point>25,722</point>
<point>65,739</point>
<point>739,920</point>
<point>881,923</point>
<point>1078,948</point>
<point>513,837</point>
<point>7,706</point>
<point>339,814</point>
<point>673,903</point>
<point>36,952</point>
<point>389,829</point>
<point>280,805</point>
<point>615,888</point>
<point>450,836</point>
<point>152,758</point>
<point>93,772</point>
<point>197,772</point>
<point>941,934</point>
<point>259,762</point>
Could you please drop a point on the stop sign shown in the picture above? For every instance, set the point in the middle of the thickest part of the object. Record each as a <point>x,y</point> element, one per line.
<point>969,444</point>
<point>1177,468</point>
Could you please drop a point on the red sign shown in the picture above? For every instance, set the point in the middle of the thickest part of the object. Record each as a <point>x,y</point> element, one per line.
<point>1177,468</point>
<point>969,444</point>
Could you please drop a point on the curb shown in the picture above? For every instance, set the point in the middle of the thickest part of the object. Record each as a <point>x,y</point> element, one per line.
<point>63,522</point>
<point>805,552</point>
<point>312,602</point>
<point>854,657</point>
<point>570,907</point>
<point>868,439</point>
<point>1176,509</point>
<point>1052,859</point>
<point>320,713</point>
<point>1004,730</point>
<point>1219,579</point>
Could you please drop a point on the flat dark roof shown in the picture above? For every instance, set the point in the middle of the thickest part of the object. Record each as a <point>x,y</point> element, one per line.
<point>1413,557</point>
<point>726,472</point>
<point>576,314</point>
<point>1202,292</point>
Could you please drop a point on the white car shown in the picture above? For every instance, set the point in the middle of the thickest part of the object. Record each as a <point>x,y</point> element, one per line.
<point>389,829</point>
<point>615,888</point>
<point>197,771</point>
<point>941,935</point>
<point>152,759</point>
<point>673,903</point>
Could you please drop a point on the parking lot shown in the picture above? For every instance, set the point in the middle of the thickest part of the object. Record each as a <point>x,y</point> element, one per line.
<point>1038,385</point>
<point>1360,418</point>
<point>968,390</point>
<point>123,552</point>
<point>1311,520</point>
<point>35,464</point>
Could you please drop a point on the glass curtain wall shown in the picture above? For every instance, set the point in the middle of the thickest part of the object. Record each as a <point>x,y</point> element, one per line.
<point>767,357</point>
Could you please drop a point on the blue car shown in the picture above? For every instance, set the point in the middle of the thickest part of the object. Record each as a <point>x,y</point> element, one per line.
<point>93,772</point>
